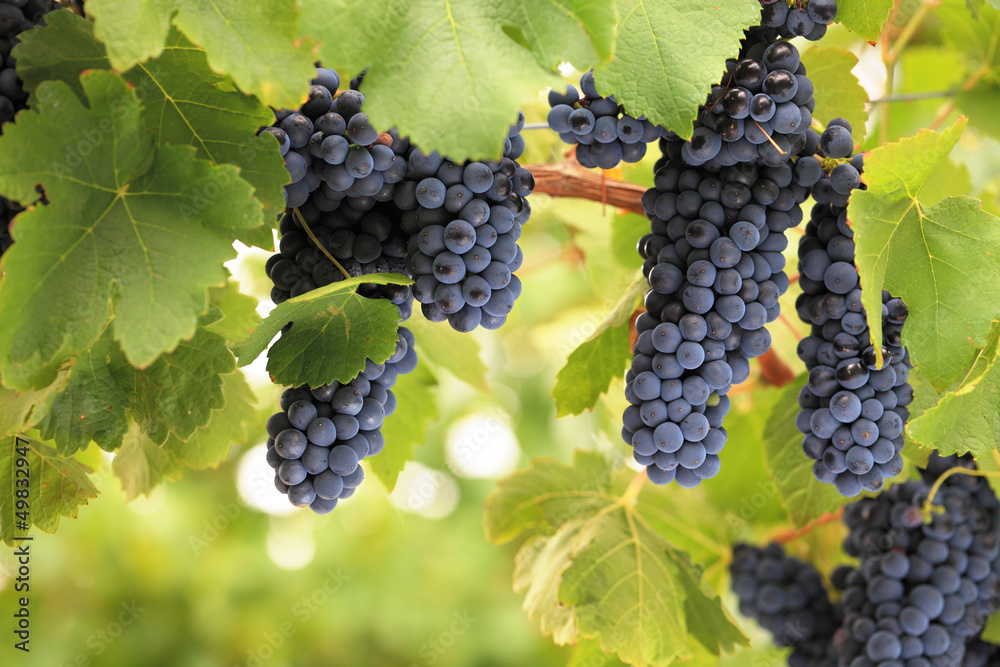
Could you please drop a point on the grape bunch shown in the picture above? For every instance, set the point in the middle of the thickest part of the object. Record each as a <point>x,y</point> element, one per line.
<point>760,112</point>
<point>922,589</point>
<point>714,264</point>
<point>464,221</point>
<point>458,223</point>
<point>603,133</point>
<point>801,18</point>
<point>853,412</point>
<point>786,596</point>
<point>316,442</point>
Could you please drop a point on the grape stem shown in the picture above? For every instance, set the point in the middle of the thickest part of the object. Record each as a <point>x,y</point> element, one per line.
<point>569,179</point>
<point>928,508</point>
<point>891,52</point>
<point>789,535</point>
<point>305,226</point>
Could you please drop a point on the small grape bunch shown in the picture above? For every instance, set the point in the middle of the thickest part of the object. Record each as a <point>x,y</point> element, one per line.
<point>800,18</point>
<point>603,133</point>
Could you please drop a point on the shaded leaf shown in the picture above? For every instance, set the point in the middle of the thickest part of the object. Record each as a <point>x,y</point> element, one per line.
<point>598,360</point>
<point>838,93</point>
<point>406,428</point>
<point>57,486</point>
<point>800,492</point>
<point>141,465</point>
<point>232,424</point>
<point>966,419</point>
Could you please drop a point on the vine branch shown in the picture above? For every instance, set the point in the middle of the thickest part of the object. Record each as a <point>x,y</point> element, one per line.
<point>569,179</point>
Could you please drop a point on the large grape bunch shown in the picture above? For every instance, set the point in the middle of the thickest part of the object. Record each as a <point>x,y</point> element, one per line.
<point>714,264</point>
<point>316,443</point>
<point>760,112</point>
<point>460,222</point>
<point>16,16</point>
<point>922,589</point>
<point>799,18</point>
<point>786,596</point>
<point>603,133</point>
<point>853,413</point>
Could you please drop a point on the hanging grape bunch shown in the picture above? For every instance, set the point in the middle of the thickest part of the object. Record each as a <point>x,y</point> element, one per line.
<point>603,133</point>
<point>853,412</point>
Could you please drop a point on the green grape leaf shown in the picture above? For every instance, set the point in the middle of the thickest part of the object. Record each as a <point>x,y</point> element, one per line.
<point>174,394</point>
<point>61,50</point>
<point>20,410</point>
<point>941,260</point>
<point>968,418</point>
<point>426,61</point>
<point>237,312</point>
<point>800,492</point>
<point>595,566</point>
<point>133,31</point>
<point>334,330</point>
<point>184,101</point>
<point>406,428</point>
<point>233,424</point>
<point>600,359</point>
<point>838,93</point>
<point>864,18</point>
<point>664,65</point>
<point>125,232</point>
<point>93,404</point>
<point>253,42</point>
<point>141,465</point>
<point>177,393</point>
<point>57,486</point>
<point>442,347</point>
<point>578,31</point>
<point>625,229</point>
<point>991,633</point>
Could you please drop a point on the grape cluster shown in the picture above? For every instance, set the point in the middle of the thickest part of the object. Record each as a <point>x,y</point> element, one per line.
<point>760,112</point>
<point>464,222</point>
<point>853,413</point>
<point>603,133</point>
<point>452,227</point>
<point>786,596</point>
<point>922,589</point>
<point>316,442</point>
<point>801,18</point>
<point>714,264</point>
